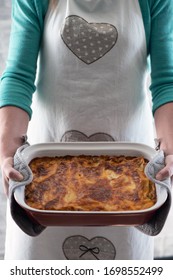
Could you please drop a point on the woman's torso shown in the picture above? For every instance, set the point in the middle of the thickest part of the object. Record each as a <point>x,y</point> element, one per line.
<point>92,74</point>
<point>100,94</point>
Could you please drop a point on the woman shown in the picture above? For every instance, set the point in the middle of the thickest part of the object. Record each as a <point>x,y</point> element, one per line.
<point>91,81</point>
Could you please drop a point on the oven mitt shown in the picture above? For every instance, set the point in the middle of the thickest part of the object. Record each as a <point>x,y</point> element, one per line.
<point>18,213</point>
<point>155,225</point>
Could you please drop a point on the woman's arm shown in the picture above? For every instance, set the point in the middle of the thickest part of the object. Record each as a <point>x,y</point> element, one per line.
<point>17,81</point>
<point>13,125</point>
<point>164,128</point>
<point>161,54</point>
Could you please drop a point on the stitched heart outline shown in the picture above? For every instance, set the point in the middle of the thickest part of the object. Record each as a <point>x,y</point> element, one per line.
<point>78,247</point>
<point>78,136</point>
<point>88,41</point>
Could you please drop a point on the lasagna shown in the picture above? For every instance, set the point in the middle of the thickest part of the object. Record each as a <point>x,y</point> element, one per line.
<point>90,183</point>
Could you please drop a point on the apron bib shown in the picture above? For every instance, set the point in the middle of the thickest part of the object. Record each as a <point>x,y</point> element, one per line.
<point>91,87</point>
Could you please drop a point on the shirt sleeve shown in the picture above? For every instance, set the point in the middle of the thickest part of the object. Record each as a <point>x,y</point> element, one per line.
<point>17,82</point>
<point>161,52</point>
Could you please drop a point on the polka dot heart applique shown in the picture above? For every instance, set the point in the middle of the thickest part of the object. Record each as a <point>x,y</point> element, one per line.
<point>78,247</point>
<point>88,41</point>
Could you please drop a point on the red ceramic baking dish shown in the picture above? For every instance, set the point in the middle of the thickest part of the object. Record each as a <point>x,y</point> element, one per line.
<point>89,218</point>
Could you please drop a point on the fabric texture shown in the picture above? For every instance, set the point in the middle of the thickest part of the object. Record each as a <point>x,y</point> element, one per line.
<point>32,228</point>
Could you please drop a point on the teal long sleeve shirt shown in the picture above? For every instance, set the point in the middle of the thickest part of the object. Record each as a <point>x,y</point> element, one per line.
<point>18,80</point>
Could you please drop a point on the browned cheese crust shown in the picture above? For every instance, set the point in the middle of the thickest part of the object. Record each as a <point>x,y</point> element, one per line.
<point>90,183</point>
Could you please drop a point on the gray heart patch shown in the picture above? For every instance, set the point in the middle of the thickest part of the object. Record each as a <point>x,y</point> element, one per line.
<point>78,247</point>
<point>88,41</point>
<point>77,136</point>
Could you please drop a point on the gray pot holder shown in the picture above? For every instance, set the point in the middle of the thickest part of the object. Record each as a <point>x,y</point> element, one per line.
<point>155,225</point>
<point>18,213</point>
<point>33,228</point>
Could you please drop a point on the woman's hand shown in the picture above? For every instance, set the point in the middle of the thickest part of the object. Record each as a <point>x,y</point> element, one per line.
<point>164,131</point>
<point>8,172</point>
<point>167,171</point>
<point>13,125</point>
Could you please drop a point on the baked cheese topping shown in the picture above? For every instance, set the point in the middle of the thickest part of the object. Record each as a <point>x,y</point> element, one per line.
<point>90,183</point>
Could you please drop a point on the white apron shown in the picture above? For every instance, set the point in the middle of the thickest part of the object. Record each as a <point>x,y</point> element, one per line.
<point>91,87</point>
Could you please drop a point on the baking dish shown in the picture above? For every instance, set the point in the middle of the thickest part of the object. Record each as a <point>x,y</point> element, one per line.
<point>89,218</point>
